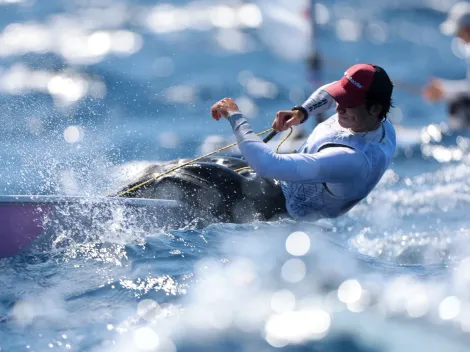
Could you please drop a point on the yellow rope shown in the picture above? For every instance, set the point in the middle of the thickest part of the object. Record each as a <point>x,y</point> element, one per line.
<point>187,163</point>
<point>277,151</point>
<point>242,168</point>
<point>285,139</point>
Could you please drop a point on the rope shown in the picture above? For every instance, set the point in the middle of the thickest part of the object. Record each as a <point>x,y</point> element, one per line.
<point>194,160</point>
<point>277,151</point>
<point>285,139</point>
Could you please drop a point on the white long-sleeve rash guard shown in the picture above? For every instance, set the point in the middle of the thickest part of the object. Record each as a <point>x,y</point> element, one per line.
<point>338,166</point>
<point>454,89</point>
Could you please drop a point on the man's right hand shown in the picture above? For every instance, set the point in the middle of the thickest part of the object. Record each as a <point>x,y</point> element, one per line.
<point>287,118</point>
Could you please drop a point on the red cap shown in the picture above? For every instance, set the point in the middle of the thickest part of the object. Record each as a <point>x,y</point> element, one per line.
<point>351,89</point>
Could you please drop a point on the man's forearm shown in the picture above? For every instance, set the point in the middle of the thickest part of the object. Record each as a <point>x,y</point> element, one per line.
<point>455,88</point>
<point>320,101</point>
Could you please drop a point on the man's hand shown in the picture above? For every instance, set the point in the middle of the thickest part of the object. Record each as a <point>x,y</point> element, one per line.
<point>223,108</point>
<point>287,118</point>
<point>433,91</point>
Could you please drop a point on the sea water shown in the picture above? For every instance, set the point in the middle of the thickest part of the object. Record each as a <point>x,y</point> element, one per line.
<point>93,91</point>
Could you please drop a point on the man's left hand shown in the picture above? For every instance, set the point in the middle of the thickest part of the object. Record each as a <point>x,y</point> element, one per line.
<point>223,108</point>
<point>433,90</point>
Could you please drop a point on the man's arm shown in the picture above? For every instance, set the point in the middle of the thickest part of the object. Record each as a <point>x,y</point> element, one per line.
<point>452,89</point>
<point>332,165</point>
<point>320,101</point>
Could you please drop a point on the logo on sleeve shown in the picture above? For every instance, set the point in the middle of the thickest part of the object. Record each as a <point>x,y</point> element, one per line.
<point>317,105</point>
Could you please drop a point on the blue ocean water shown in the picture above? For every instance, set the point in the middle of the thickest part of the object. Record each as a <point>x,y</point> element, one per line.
<point>92,91</point>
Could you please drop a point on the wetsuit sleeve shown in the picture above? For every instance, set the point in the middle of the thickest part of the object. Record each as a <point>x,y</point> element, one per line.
<point>320,101</point>
<point>455,89</point>
<point>332,165</point>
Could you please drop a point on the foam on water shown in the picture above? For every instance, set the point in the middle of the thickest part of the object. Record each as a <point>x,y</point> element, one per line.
<point>99,90</point>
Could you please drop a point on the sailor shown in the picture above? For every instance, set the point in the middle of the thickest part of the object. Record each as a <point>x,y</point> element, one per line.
<point>455,92</point>
<point>344,157</point>
<point>339,164</point>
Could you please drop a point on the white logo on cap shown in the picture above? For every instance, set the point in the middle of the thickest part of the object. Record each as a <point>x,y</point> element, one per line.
<point>357,84</point>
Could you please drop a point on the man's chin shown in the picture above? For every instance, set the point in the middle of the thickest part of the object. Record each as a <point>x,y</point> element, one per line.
<point>345,123</point>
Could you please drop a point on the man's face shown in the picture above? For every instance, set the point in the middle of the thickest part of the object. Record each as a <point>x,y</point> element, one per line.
<point>354,118</point>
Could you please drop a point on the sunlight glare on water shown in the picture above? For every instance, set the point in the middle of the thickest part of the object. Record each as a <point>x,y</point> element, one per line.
<point>95,92</point>
<point>298,244</point>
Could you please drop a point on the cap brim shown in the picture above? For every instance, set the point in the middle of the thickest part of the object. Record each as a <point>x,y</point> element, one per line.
<point>342,97</point>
